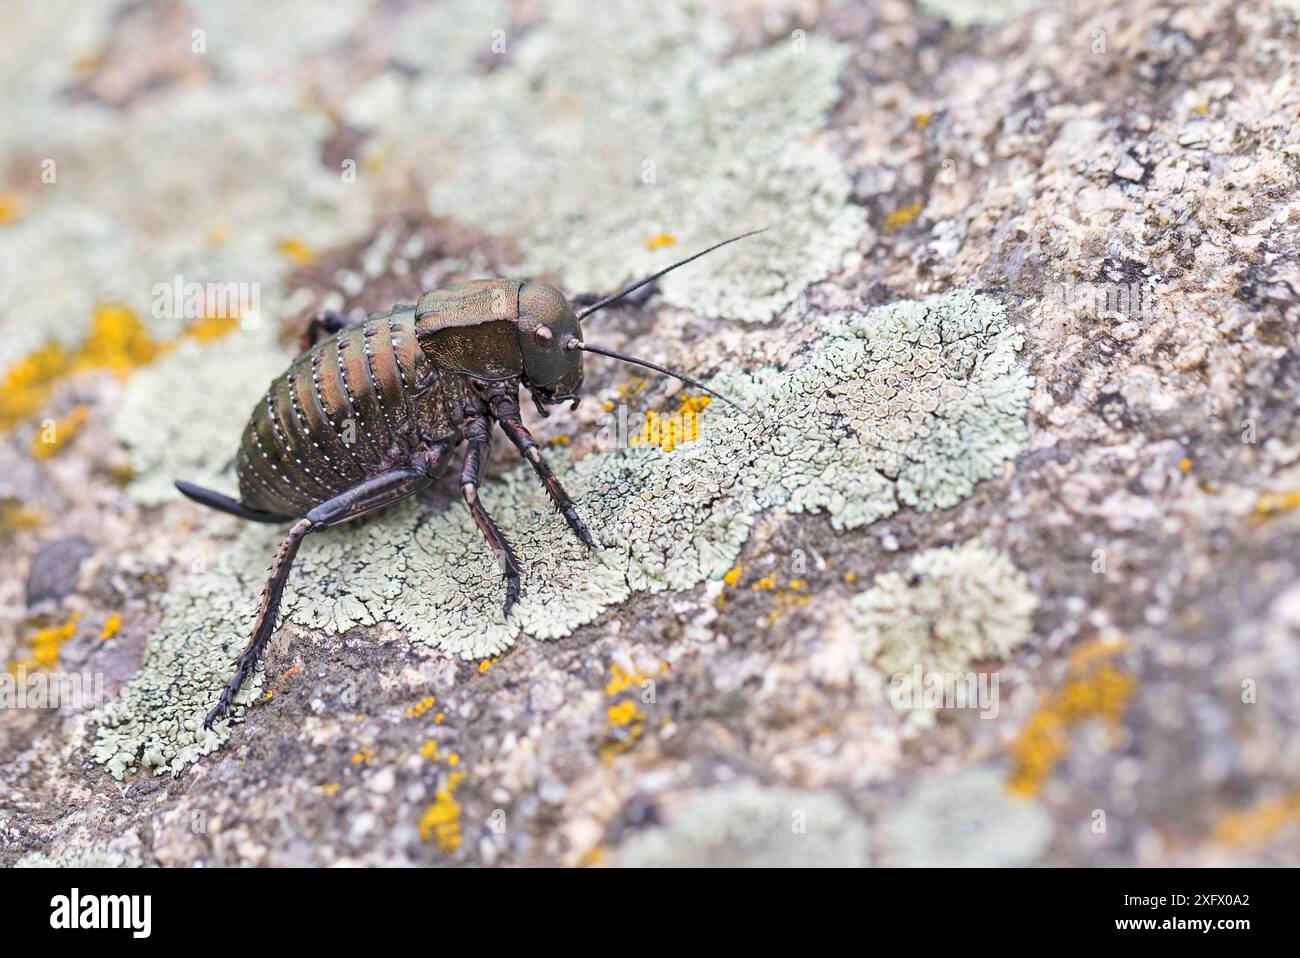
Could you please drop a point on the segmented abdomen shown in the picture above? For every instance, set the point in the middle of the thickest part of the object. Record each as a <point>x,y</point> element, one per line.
<point>341,413</point>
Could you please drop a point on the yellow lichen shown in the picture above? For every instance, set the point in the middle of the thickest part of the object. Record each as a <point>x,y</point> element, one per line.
<point>922,119</point>
<point>117,341</point>
<point>1271,504</point>
<point>441,820</point>
<point>16,518</point>
<point>421,707</point>
<point>733,576</point>
<point>111,627</point>
<point>46,645</point>
<point>296,251</point>
<point>11,207</point>
<point>209,329</point>
<point>668,432</point>
<point>331,789</point>
<point>625,713</point>
<point>1184,465</point>
<point>363,756</point>
<point>1258,823</point>
<point>1093,688</point>
<point>660,240</point>
<point>620,679</point>
<point>429,750</point>
<point>57,434</point>
<point>902,216</point>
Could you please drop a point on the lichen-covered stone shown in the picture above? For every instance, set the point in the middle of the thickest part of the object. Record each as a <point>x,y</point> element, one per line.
<point>572,145</point>
<point>752,826</point>
<point>907,406</point>
<point>947,608</point>
<point>968,13</point>
<point>964,820</point>
<point>175,416</point>
<point>99,855</point>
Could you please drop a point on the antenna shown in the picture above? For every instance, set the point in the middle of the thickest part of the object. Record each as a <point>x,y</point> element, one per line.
<point>600,304</point>
<point>574,343</point>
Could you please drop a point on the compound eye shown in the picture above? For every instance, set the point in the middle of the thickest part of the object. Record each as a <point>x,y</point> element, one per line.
<point>543,336</point>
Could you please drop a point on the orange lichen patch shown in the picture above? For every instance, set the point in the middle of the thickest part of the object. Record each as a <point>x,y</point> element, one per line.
<point>363,756</point>
<point>594,858</point>
<point>441,820</point>
<point>331,789</point>
<point>11,207</point>
<point>625,713</point>
<point>626,723</point>
<point>430,750</point>
<point>487,664</point>
<point>16,518</point>
<point>792,596</point>
<point>558,441</point>
<point>1184,465</point>
<point>57,434</point>
<point>439,719</point>
<point>291,672</point>
<point>46,645</point>
<point>733,575</point>
<point>296,251</point>
<point>669,432</point>
<point>632,388</point>
<point>850,577</point>
<point>1271,504</point>
<point>208,329</point>
<point>659,241</point>
<point>111,627</point>
<point>620,679</point>
<point>1258,823</point>
<point>1093,688</point>
<point>902,216</point>
<point>421,707</point>
<point>29,382</point>
<point>922,119</point>
<point>117,341</point>
<point>453,759</point>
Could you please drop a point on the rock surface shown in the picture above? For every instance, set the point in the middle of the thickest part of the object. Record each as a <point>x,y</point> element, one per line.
<point>1021,347</point>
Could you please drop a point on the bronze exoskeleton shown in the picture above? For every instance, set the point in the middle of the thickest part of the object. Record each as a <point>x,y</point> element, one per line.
<point>371,412</point>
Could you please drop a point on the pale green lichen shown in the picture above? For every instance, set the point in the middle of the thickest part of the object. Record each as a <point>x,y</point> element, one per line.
<point>752,826</point>
<point>910,405</point>
<point>964,820</point>
<point>969,13</point>
<point>948,609</point>
<point>170,412</point>
<point>145,197</point>
<point>572,147</point>
<point>93,856</point>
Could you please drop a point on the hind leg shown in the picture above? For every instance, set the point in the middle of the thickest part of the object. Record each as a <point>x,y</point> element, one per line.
<point>370,495</point>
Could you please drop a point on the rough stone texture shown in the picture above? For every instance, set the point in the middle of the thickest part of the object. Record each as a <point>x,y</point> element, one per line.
<point>1084,219</point>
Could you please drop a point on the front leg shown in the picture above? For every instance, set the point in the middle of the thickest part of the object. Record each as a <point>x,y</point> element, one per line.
<point>505,410</point>
<point>477,430</point>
